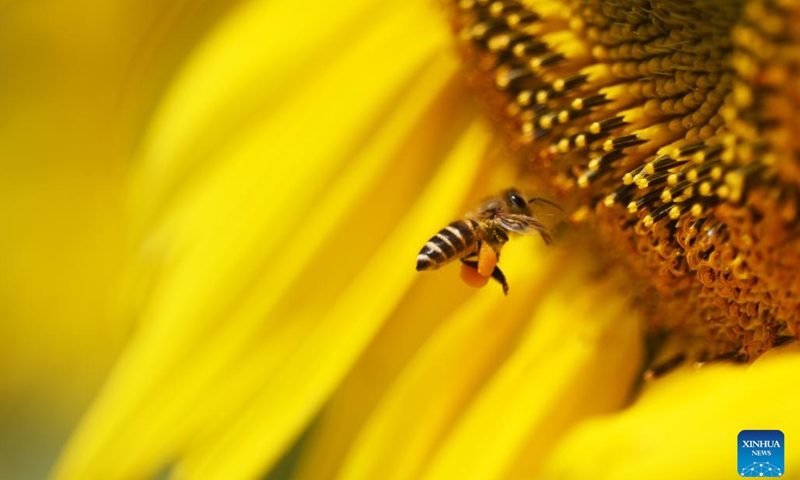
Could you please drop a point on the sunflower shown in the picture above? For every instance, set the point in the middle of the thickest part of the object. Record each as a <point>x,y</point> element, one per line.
<point>210,257</point>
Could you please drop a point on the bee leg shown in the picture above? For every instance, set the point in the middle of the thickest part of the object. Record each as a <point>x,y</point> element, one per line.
<point>497,274</point>
<point>470,257</point>
<point>470,263</point>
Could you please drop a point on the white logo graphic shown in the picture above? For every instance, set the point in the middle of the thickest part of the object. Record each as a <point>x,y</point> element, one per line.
<point>761,469</point>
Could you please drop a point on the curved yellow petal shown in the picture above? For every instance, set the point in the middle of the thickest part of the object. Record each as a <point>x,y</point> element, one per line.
<point>579,357</point>
<point>686,425</point>
<point>232,257</point>
<point>338,337</point>
<point>65,66</point>
<point>296,64</point>
<point>472,380</point>
<point>441,379</point>
<point>431,298</point>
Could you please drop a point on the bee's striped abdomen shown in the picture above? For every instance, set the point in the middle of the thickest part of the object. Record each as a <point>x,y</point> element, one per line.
<point>452,242</point>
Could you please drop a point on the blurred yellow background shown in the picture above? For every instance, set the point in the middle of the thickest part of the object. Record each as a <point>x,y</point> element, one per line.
<point>76,79</point>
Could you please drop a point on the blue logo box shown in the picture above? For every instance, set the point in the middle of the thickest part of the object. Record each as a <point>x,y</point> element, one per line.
<point>761,453</point>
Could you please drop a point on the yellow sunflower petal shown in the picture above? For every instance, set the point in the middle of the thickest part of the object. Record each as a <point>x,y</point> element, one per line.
<point>304,382</point>
<point>256,216</point>
<point>433,298</point>
<point>300,67</point>
<point>686,425</point>
<point>62,210</point>
<point>579,357</point>
<point>439,382</point>
<point>472,381</point>
<point>428,301</point>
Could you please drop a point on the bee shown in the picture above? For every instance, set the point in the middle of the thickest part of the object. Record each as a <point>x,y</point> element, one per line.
<point>481,235</point>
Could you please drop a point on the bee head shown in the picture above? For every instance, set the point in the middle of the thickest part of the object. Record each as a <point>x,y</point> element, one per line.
<point>516,201</point>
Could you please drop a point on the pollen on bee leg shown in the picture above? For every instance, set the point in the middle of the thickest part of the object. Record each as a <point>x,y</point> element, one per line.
<point>471,277</point>
<point>487,260</point>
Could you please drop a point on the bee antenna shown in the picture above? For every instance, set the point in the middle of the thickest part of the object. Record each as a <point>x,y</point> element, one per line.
<point>544,200</point>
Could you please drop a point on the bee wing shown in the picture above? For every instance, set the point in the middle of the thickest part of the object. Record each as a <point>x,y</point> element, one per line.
<point>541,207</point>
<point>522,224</point>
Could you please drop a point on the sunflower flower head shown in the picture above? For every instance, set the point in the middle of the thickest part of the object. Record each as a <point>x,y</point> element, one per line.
<point>667,127</point>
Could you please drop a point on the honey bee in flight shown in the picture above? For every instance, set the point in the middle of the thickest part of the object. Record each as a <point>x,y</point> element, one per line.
<point>477,239</point>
